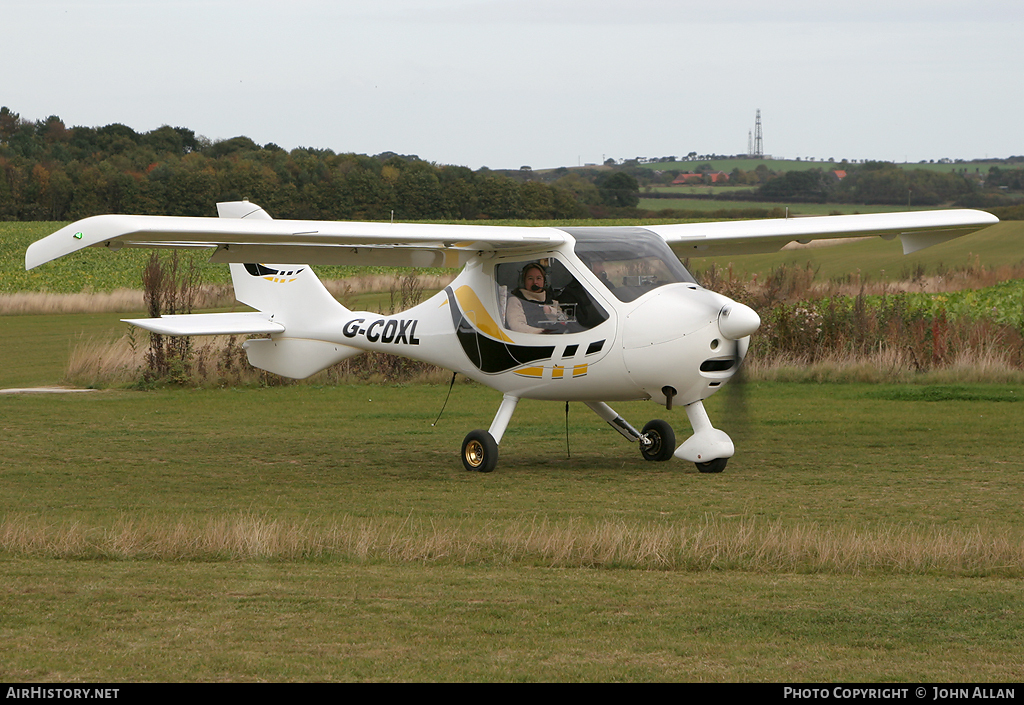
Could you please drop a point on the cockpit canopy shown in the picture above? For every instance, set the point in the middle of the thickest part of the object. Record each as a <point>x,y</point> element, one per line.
<point>629,261</point>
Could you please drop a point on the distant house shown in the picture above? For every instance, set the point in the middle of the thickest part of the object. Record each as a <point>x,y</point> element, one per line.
<point>839,174</point>
<point>717,177</point>
<point>688,178</point>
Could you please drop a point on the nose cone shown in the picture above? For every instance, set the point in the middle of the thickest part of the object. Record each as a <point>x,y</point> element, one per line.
<point>738,321</point>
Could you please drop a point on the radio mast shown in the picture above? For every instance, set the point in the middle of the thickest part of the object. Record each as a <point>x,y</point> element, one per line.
<point>758,142</point>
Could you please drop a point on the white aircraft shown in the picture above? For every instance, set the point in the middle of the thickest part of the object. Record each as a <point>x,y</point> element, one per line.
<point>589,314</point>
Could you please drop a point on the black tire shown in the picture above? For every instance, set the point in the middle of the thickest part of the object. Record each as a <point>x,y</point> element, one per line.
<point>716,465</point>
<point>479,452</point>
<point>662,441</point>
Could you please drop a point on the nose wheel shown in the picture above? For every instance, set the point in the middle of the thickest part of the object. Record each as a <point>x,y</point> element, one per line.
<point>657,441</point>
<point>716,465</point>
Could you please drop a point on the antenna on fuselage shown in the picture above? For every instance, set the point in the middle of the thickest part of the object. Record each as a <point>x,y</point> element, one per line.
<point>445,399</point>
<point>567,453</point>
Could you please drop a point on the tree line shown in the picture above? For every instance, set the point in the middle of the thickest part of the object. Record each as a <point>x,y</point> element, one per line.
<point>49,171</point>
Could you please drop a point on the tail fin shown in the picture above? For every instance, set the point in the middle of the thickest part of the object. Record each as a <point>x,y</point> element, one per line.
<point>294,297</point>
<point>291,293</point>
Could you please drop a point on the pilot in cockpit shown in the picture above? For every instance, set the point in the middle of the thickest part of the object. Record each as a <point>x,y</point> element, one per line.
<point>531,308</point>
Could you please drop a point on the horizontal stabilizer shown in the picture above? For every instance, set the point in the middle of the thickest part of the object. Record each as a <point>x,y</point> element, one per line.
<point>209,324</point>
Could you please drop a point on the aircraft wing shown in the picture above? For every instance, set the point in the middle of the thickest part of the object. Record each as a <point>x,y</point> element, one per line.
<point>917,230</point>
<point>260,239</point>
<point>294,241</point>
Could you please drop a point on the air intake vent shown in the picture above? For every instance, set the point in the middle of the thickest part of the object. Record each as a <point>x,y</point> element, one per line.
<point>719,365</point>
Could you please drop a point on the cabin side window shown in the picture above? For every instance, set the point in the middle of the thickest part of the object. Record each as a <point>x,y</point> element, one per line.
<point>541,296</point>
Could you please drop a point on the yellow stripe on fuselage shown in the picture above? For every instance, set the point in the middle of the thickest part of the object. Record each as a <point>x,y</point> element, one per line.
<point>557,372</point>
<point>473,309</point>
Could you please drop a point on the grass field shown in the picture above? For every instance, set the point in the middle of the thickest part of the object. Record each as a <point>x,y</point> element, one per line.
<point>861,533</point>
<point>548,569</point>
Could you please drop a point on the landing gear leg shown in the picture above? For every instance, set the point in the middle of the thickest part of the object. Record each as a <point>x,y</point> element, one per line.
<point>708,448</point>
<point>656,440</point>
<point>480,448</point>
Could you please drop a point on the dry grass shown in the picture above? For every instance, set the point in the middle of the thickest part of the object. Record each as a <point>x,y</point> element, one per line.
<point>95,363</point>
<point>117,301</point>
<point>208,296</point>
<point>853,330</point>
<point>714,544</point>
<point>218,361</point>
<point>371,283</point>
<point>885,365</point>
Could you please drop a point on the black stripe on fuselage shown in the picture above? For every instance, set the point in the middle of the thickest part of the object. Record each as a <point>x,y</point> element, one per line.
<point>489,354</point>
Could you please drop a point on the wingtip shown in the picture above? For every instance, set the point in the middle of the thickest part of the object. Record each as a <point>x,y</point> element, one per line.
<point>33,258</point>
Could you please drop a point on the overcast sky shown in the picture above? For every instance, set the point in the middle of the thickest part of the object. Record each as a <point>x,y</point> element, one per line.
<point>503,83</point>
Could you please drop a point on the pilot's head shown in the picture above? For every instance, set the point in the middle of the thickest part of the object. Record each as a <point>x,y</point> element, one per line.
<point>534,277</point>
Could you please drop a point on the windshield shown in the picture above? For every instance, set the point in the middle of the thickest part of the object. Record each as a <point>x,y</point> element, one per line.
<point>629,261</point>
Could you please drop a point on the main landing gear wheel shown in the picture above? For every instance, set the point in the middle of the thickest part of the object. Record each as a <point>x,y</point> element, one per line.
<point>661,441</point>
<point>716,465</point>
<point>479,452</point>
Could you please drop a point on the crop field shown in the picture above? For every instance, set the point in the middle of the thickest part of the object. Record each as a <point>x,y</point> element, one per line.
<point>683,190</point>
<point>876,259</point>
<point>862,532</point>
<point>728,165</point>
<point>795,209</point>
